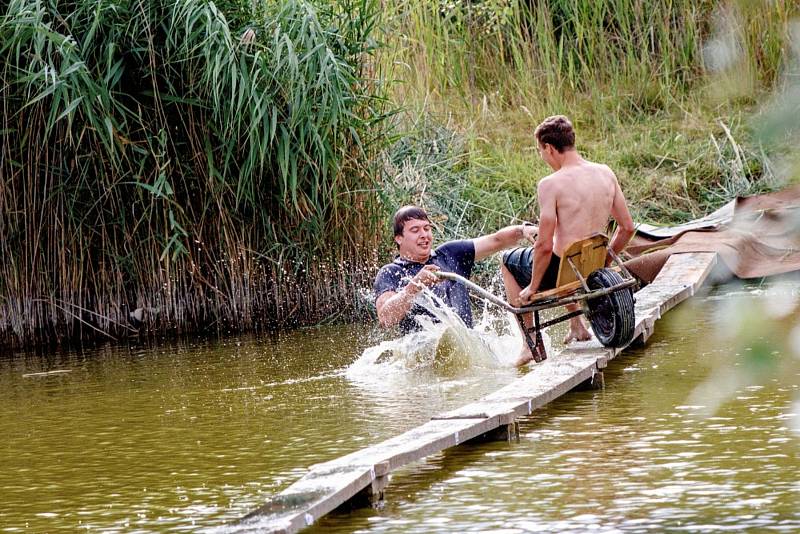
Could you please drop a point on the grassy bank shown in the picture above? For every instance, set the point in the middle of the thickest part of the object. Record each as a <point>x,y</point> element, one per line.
<point>231,166</point>
<point>669,94</point>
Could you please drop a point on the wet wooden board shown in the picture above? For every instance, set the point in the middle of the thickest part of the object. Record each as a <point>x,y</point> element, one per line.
<point>311,497</point>
<point>328,485</point>
<point>550,379</point>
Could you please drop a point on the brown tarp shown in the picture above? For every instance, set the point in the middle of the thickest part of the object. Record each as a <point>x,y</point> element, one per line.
<point>760,238</point>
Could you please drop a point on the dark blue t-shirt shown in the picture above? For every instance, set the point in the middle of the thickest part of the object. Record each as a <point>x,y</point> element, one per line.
<point>455,257</point>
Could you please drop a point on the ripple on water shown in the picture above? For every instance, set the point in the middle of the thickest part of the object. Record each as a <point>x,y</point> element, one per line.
<point>636,457</point>
<point>191,437</point>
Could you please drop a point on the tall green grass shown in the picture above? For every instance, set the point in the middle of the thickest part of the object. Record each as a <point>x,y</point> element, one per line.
<point>540,54</point>
<point>232,164</point>
<point>667,93</point>
<point>156,154</point>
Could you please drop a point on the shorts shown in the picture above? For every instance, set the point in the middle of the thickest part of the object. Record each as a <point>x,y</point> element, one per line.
<point>519,262</point>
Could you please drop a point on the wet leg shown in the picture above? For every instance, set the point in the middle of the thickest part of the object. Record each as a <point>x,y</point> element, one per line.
<point>512,294</point>
<point>577,327</point>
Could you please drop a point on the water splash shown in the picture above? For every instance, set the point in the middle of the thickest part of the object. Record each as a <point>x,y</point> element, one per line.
<point>444,346</point>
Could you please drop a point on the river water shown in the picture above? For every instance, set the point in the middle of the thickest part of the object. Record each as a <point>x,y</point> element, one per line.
<point>697,432</point>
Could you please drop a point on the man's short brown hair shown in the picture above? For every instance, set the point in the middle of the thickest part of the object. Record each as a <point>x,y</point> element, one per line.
<point>556,131</point>
<point>406,213</point>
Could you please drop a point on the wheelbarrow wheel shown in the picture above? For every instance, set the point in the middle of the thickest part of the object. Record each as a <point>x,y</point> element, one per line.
<point>611,316</point>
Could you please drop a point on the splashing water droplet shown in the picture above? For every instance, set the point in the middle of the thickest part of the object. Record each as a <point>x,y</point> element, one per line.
<point>444,345</point>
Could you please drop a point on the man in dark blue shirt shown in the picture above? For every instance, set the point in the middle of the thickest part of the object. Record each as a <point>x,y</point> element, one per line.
<point>398,283</point>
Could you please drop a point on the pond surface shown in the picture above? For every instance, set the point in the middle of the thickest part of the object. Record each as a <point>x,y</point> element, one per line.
<point>193,436</point>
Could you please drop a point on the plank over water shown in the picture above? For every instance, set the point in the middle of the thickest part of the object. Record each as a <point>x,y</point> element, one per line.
<point>328,485</point>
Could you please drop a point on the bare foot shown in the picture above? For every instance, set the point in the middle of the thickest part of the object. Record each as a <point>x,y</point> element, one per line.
<point>524,357</point>
<point>577,332</point>
<point>577,336</point>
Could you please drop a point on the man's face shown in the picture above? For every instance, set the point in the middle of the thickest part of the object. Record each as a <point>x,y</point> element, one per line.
<point>415,242</point>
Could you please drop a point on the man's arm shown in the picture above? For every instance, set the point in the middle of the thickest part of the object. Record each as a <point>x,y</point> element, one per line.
<point>620,213</point>
<point>502,239</point>
<point>543,248</point>
<point>392,306</point>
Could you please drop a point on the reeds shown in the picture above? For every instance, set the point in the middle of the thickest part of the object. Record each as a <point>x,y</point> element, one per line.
<point>537,53</point>
<point>154,158</point>
<point>225,165</point>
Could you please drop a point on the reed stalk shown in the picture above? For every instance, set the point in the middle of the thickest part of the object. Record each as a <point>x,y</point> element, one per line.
<point>231,165</point>
<point>152,157</point>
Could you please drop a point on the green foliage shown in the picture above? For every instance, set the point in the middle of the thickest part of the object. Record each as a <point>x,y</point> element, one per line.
<point>430,166</point>
<point>662,92</point>
<point>155,153</point>
<point>230,163</point>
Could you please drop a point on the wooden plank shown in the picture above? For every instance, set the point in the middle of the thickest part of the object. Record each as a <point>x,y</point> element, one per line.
<point>330,484</point>
<point>310,498</point>
<point>587,254</point>
<point>563,290</point>
<point>680,277</point>
<point>678,280</point>
<point>645,324</point>
<point>685,269</point>
<point>424,440</point>
<point>505,410</point>
<point>552,378</point>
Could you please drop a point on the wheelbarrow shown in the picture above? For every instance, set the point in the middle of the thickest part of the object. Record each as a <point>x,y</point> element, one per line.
<point>605,295</point>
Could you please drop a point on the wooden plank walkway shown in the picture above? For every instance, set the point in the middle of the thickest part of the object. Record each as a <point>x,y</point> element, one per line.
<point>364,473</point>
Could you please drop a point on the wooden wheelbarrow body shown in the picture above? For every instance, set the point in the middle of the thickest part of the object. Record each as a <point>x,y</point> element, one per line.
<point>604,294</point>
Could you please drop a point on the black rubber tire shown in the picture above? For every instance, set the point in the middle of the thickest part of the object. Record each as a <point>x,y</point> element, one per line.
<point>611,316</point>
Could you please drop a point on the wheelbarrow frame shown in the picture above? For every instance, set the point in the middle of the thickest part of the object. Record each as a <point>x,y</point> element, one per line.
<point>560,296</point>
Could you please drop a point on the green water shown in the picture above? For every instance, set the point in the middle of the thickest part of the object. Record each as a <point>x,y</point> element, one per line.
<point>188,437</point>
<point>181,437</point>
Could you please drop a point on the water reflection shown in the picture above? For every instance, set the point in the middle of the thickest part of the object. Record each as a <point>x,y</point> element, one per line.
<point>635,457</point>
<point>190,436</point>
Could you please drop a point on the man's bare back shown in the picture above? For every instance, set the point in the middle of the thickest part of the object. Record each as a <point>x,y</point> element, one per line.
<point>582,196</point>
<point>575,201</point>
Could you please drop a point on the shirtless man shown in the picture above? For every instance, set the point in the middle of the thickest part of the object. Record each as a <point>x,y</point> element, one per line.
<point>574,202</point>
